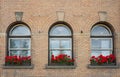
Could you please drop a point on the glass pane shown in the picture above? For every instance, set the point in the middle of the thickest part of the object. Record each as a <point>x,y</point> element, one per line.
<point>100,31</point>
<point>55,52</point>
<point>20,30</point>
<point>54,43</point>
<point>15,43</point>
<point>105,53</point>
<point>24,53</point>
<point>96,53</point>
<point>19,53</point>
<point>95,43</point>
<point>60,30</point>
<point>19,43</point>
<point>25,43</point>
<point>66,43</point>
<point>14,53</point>
<point>68,53</point>
<point>106,43</point>
<point>101,43</point>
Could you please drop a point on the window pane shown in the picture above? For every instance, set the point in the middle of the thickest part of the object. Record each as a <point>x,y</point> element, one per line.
<point>15,43</point>
<point>101,43</point>
<point>19,43</point>
<point>100,31</point>
<point>68,53</point>
<point>55,52</point>
<point>102,52</point>
<point>60,30</point>
<point>105,53</point>
<point>106,43</point>
<point>96,53</point>
<point>25,43</point>
<point>24,53</point>
<point>66,43</point>
<point>14,53</point>
<point>19,53</point>
<point>54,43</point>
<point>20,30</point>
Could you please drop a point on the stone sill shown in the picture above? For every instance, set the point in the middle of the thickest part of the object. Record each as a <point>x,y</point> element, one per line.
<point>18,67</point>
<point>59,67</point>
<point>103,67</point>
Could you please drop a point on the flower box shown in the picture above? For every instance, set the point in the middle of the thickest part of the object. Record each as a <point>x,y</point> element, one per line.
<point>57,64</point>
<point>103,60</point>
<point>61,60</point>
<point>112,64</point>
<point>17,65</point>
<point>17,61</point>
<point>109,66</point>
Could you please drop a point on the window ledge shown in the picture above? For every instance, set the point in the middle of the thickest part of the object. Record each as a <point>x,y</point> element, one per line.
<point>102,67</point>
<point>59,67</point>
<point>18,67</point>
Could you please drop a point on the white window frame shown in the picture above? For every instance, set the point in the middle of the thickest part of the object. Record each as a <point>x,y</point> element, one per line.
<point>29,49</point>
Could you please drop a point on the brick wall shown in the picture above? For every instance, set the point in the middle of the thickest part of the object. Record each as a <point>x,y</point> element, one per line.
<point>40,15</point>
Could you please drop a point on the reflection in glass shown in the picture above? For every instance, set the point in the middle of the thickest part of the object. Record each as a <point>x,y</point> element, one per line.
<point>60,30</point>
<point>14,53</point>
<point>101,43</point>
<point>25,43</point>
<point>20,30</point>
<point>100,30</point>
<point>69,53</point>
<point>19,43</point>
<point>95,53</point>
<point>104,53</point>
<point>66,43</point>
<point>24,53</point>
<point>54,43</point>
<point>55,52</point>
<point>15,43</point>
<point>19,53</point>
<point>60,41</point>
<point>58,52</point>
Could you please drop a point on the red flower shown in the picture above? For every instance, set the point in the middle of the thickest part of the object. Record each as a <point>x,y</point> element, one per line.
<point>93,57</point>
<point>71,60</point>
<point>17,60</point>
<point>62,59</point>
<point>102,59</point>
<point>53,58</point>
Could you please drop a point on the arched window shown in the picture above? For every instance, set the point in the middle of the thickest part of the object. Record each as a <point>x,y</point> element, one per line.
<point>101,40</point>
<point>60,41</point>
<point>19,41</point>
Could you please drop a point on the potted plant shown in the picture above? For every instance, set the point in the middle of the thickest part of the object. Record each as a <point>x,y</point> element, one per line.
<point>61,59</point>
<point>17,61</point>
<point>103,60</point>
